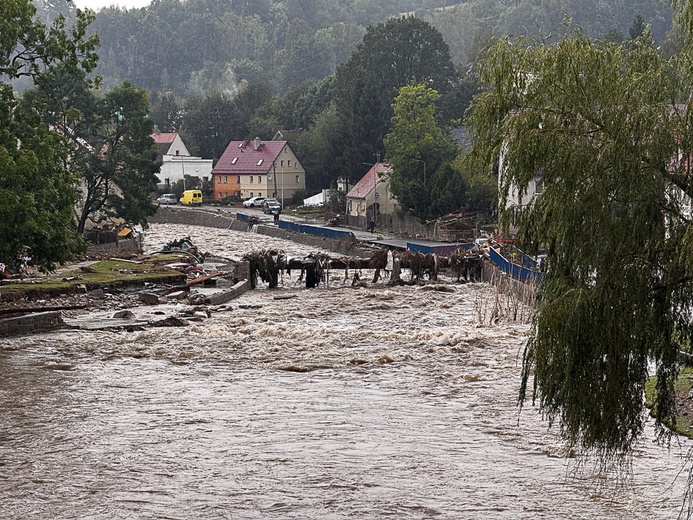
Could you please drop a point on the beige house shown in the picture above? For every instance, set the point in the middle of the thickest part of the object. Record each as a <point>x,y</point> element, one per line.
<point>258,169</point>
<point>370,198</point>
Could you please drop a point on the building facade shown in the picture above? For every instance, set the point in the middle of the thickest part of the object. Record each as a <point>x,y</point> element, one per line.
<point>258,169</point>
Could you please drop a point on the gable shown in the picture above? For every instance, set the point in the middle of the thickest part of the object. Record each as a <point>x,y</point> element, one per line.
<point>249,157</point>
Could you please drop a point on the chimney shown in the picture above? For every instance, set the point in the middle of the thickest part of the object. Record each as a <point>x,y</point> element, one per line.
<point>258,144</point>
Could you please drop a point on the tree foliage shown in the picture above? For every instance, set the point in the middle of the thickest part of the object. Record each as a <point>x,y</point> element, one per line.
<point>601,125</point>
<point>116,157</point>
<point>36,190</point>
<point>417,148</point>
<point>400,52</point>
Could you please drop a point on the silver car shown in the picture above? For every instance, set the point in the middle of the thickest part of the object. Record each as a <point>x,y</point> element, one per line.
<point>167,198</point>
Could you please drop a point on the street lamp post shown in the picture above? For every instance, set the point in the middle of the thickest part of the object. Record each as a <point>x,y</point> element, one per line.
<point>424,163</point>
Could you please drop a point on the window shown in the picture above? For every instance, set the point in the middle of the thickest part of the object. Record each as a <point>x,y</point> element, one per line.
<point>298,179</point>
<point>234,160</point>
<point>226,179</point>
<point>251,179</point>
<point>539,185</point>
<point>177,152</point>
<point>288,163</point>
<point>259,179</point>
<point>282,163</point>
<point>350,205</point>
<point>260,162</point>
<point>219,179</point>
<point>251,194</point>
<point>220,195</point>
<point>238,179</point>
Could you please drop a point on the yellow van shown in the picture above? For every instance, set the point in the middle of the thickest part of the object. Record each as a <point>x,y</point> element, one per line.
<point>191,197</point>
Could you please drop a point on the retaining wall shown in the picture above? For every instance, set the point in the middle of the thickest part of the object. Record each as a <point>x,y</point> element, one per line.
<point>193,217</point>
<point>31,323</point>
<point>344,244</point>
<point>122,245</point>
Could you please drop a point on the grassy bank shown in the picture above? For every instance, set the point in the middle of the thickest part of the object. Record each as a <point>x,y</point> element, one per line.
<point>107,273</point>
<point>684,404</point>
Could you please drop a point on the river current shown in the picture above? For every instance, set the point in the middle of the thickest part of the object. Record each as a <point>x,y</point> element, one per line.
<point>339,402</point>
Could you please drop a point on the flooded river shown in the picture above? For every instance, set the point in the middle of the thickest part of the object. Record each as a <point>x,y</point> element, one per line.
<point>347,402</point>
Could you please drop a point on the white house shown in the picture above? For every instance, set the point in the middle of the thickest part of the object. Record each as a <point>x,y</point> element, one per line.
<point>176,161</point>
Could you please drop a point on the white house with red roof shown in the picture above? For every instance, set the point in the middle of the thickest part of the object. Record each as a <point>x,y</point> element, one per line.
<point>258,169</point>
<point>176,161</point>
<point>370,197</point>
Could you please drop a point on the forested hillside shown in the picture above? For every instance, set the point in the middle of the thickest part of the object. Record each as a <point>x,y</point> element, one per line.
<point>327,72</point>
<point>194,46</point>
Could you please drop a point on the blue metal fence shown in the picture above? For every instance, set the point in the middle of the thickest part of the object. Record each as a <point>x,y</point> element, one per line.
<point>516,271</point>
<point>316,230</point>
<point>442,250</point>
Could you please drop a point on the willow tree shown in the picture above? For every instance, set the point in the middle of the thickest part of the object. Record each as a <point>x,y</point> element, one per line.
<point>602,125</point>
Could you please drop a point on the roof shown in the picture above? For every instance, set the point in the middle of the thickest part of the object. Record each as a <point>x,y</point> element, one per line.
<point>247,157</point>
<point>164,137</point>
<point>367,183</point>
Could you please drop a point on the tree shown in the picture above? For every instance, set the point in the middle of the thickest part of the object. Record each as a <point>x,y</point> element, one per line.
<point>208,124</point>
<point>116,157</point>
<point>166,112</point>
<point>400,52</point>
<point>36,191</point>
<point>600,124</point>
<point>416,148</point>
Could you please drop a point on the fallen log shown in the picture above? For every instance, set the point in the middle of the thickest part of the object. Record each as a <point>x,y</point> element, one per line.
<point>201,279</point>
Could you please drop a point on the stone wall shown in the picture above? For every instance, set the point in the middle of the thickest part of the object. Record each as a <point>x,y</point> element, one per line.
<point>31,323</point>
<point>168,215</point>
<point>407,225</point>
<point>193,217</point>
<point>345,247</point>
<point>122,245</point>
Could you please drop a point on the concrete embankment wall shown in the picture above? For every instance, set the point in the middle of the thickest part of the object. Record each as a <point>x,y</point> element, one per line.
<point>168,215</point>
<point>31,323</point>
<point>193,217</point>
<point>120,246</point>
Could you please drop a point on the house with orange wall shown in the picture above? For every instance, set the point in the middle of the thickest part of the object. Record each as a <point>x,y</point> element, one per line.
<point>258,169</point>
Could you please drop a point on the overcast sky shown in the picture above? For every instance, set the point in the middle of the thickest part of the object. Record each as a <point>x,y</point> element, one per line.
<point>98,4</point>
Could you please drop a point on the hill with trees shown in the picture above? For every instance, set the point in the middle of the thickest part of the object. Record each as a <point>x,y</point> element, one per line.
<point>327,72</point>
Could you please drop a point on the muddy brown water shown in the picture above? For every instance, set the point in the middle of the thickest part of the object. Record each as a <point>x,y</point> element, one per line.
<point>344,402</point>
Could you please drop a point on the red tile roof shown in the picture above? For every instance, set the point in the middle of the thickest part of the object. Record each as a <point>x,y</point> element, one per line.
<point>164,138</point>
<point>247,157</point>
<point>362,188</point>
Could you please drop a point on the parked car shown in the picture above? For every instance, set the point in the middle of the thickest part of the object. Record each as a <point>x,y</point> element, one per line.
<point>192,197</point>
<point>253,202</point>
<point>270,205</point>
<point>167,198</point>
